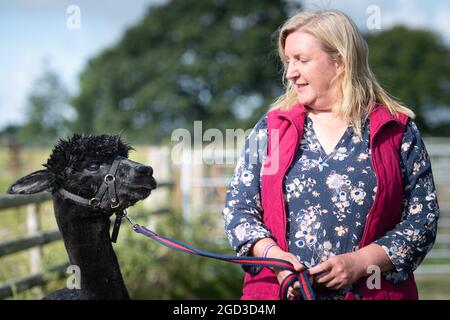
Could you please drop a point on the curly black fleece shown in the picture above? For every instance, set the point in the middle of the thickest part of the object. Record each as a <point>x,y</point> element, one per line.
<point>73,154</point>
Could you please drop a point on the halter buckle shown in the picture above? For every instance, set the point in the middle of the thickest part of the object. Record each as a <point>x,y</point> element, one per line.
<point>109,178</point>
<point>114,203</point>
<point>94,202</point>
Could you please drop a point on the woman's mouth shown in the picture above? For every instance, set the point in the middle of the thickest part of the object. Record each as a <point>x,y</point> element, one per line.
<point>301,86</point>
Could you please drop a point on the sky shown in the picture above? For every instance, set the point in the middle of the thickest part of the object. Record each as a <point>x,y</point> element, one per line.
<point>35,31</point>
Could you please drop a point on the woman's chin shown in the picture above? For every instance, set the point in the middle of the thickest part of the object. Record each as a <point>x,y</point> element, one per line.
<point>303,100</point>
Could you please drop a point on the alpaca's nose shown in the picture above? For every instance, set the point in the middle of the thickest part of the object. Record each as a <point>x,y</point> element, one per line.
<point>147,170</point>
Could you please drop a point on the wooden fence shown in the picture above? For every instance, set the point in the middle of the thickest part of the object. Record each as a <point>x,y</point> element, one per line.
<point>36,238</point>
<point>194,182</point>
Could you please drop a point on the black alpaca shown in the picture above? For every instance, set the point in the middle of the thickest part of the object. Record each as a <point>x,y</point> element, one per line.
<point>75,171</point>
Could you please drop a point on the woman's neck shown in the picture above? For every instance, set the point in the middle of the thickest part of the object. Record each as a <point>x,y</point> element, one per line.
<point>326,117</point>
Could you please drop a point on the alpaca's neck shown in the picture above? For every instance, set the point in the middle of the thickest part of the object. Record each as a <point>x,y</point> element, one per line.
<point>89,247</point>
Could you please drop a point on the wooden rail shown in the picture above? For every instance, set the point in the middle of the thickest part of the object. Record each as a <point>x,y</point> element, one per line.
<point>36,238</point>
<point>33,280</point>
<point>39,239</point>
<point>8,201</point>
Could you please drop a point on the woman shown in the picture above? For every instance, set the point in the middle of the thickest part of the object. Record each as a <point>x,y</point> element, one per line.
<point>335,177</point>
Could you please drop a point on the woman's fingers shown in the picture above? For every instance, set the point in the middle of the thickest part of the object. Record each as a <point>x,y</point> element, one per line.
<point>281,275</point>
<point>321,268</point>
<point>294,292</point>
<point>294,289</point>
<point>296,264</point>
<point>323,277</point>
<point>333,284</point>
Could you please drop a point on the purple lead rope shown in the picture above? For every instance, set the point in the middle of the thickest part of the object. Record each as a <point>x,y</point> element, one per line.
<point>302,277</point>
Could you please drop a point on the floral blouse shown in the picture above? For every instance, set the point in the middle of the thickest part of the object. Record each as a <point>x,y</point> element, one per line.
<point>327,199</point>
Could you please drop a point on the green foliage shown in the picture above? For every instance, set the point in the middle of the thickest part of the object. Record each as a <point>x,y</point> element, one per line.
<point>433,287</point>
<point>186,60</point>
<point>48,112</point>
<point>216,61</point>
<point>414,66</point>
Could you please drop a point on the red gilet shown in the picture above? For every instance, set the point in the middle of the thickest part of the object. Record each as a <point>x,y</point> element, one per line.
<point>386,133</point>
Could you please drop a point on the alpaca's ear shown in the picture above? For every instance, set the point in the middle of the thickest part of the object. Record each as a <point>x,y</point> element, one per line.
<point>33,183</point>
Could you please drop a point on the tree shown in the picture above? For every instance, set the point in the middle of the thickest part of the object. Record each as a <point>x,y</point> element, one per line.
<point>186,60</point>
<point>414,66</point>
<point>216,61</point>
<point>48,113</point>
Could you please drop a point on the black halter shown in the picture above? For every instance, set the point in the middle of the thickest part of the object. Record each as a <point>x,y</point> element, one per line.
<point>108,184</point>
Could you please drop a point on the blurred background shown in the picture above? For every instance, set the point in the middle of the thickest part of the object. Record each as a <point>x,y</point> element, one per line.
<point>146,68</point>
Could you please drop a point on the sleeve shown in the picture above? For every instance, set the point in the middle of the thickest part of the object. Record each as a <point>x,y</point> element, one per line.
<point>242,213</point>
<point>410,241</point>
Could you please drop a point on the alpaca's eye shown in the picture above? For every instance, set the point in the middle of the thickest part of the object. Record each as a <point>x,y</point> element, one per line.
<point>93,166</point>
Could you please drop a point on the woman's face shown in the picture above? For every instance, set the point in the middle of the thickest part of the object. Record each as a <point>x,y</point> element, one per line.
<point>312,71</point>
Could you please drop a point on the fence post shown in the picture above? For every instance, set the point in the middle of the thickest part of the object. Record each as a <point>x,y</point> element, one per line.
<point>14,152</point>
<point>186,184</point>
<point>33,227</point>
<point>197,174</point>
<point>158,157</point>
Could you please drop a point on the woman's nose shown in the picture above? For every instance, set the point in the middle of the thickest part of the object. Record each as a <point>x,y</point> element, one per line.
<point>292,72</point>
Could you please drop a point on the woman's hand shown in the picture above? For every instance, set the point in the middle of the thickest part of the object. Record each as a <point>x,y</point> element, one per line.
<point>281,274</point>
<point>339,271</point>
<point>277,253</point>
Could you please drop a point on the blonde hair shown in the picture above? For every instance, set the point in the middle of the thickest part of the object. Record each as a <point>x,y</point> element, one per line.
<point>341,39</point>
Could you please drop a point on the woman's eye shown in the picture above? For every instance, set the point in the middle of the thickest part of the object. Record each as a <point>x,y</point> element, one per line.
<point>93,167</point>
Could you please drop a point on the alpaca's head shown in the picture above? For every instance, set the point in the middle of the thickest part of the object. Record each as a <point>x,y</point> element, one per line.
<point>80,164</point>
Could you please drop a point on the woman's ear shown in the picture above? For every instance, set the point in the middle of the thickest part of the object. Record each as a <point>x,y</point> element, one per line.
<point>339,64</point>
<point>33,183</point>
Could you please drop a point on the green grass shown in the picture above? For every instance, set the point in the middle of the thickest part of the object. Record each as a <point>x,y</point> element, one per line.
<point>433,287</point>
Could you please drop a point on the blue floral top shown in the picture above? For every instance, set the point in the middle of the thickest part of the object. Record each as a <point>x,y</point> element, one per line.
<point>327,199</point>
